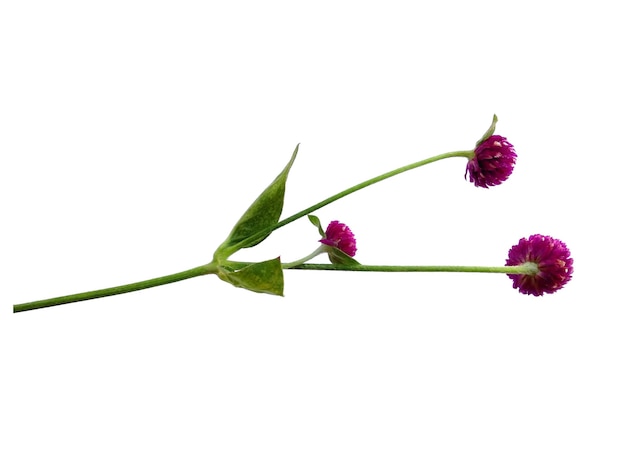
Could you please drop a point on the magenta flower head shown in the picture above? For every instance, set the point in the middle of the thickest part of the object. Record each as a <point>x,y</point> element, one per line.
<point>548,258</point>
<point>493,162</point>
<point>340,236</point>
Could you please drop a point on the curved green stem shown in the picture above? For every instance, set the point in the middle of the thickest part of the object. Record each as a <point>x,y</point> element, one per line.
<point>261,234</point>
<point>123,289</point>
<point>321,249</point>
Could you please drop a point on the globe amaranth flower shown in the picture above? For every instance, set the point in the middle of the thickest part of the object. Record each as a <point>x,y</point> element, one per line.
<point>493,162</point>
<point>548,257</point>
<point>340,236</point>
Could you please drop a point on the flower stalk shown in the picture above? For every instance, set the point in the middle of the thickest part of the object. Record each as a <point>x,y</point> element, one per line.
<point>211,268</point>
<point>123,289</point>
<point>293,264</point>
<point>221,257</point>
<point>522,269</point>
<point>309,210</point>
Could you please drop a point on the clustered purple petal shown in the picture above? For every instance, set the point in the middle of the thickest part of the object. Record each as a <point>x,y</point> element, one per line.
<point>340,236</point>
<point>552,258</point>
<point>493,162</point>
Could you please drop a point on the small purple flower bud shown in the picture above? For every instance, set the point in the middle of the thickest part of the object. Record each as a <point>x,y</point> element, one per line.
<point>493,162</point>
<point>553,262</point>
<point>340,236</point>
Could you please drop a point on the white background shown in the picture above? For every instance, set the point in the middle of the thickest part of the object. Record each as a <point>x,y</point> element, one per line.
<point>133,136</point>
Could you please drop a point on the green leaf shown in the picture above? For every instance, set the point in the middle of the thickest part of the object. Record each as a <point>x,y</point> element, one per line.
<point>336,256</point>
<point>262,214</point>
<point>489,132</point>
<point>316,221</point>
<point>265,277</point>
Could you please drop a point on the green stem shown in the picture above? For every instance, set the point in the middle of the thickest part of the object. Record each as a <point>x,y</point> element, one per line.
<point>527,268</point>
<point>261,234</point>
<point>159,281</point>
<point>212,268</point>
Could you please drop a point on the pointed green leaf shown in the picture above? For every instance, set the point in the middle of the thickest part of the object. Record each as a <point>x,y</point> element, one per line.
<point>489,132</point>
<point>262,214</point>
<point>265,277</point>
<point>336,256</point>
<point>316,221</point>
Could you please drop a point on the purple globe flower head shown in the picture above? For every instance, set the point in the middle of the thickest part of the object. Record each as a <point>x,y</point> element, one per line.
<point>493,162</point>
<point>340,236</point>
<point>549,257</point>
